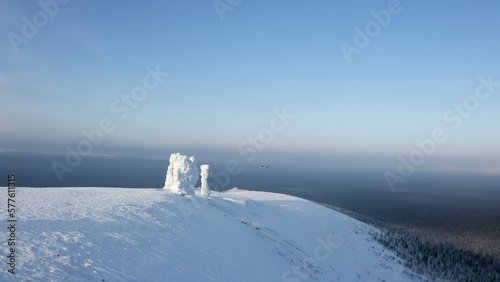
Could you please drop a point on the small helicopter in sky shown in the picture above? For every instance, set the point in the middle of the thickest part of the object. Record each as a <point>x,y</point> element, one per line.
<point>264,166</point>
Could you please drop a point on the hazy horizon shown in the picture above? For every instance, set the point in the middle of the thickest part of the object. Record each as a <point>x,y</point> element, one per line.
<point>149,79</point>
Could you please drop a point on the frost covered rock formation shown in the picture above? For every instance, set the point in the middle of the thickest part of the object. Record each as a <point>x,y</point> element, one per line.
<point>182,174</point>
<point>205,189</point>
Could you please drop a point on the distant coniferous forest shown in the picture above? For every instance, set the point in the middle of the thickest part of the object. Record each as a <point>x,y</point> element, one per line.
<point>436,260</point>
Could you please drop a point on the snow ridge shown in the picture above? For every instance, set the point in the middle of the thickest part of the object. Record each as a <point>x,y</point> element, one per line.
<point>116,234</point>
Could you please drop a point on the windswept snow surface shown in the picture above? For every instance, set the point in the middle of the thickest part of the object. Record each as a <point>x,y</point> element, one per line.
<point>119,234</point>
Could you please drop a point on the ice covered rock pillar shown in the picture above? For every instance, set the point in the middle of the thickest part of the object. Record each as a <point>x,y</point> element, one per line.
<point>205,189</point>
<point>182,174</point>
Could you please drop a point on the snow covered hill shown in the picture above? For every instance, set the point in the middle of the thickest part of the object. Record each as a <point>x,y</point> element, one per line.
<point>119,234</point>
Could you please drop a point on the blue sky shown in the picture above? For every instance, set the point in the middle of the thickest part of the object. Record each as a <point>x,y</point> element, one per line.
<point>226,76</point>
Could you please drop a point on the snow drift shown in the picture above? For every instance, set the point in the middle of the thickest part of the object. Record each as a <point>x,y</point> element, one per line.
<point>119,234</point>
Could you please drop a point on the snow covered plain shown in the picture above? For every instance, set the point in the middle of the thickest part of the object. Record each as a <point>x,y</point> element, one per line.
<point>121,234</point>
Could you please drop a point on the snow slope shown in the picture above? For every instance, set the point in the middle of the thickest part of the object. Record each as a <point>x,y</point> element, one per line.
<point>120,234</point>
